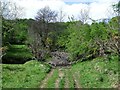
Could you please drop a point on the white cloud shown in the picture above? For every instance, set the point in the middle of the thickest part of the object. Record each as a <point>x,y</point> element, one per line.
<point>98,8</point>
<point>78,0</point>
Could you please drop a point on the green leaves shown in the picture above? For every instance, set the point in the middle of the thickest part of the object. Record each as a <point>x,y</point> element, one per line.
<point>14,31</point>
<point>78,39</point>
<point>89,39</point>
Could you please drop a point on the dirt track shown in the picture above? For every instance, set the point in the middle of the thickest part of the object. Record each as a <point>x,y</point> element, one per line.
<point>61,73</point>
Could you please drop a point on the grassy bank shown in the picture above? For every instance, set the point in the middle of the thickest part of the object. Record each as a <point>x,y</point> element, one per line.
<point>28,75</point>
<point>98,73</point>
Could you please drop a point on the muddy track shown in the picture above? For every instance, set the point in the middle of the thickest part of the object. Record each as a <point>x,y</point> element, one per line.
<point>62,72</point>
<point>49,75</point>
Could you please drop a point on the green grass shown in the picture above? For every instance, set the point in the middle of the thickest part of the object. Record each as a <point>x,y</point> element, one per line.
<point>28,75</point>
<point>51,81</point>
<point>70,78</point>
<point>98,73</point>
<point>62,81</point>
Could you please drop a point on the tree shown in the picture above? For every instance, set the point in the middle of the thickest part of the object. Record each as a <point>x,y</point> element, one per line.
<point>116,8</point>
<point>114,26</point>
<point>61,15</point>
<point>10,10</point>
<point>78,40</point>
<point>40,30</point>
<point>44,17</point>
<point>84,15</point>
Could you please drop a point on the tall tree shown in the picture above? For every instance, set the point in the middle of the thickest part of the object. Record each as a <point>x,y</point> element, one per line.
<point>10,11</point>
<point>40,29</point>
<point>44,17</point>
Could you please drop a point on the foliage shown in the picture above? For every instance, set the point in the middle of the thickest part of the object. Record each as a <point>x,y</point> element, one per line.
<point>98,42</point>
<point>78,39</point>
<point>14,31</point>
<point>61,36</point>
<point>28,75</point>
<point>39,32</point>
<point>116,7</point>
<point>88,41</point>
<point>17,54</point>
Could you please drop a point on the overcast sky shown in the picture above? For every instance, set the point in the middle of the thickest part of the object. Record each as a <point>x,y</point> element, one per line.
<point>98,8</point>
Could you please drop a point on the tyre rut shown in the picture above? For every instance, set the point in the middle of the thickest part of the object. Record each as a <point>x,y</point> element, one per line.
<point>49,75</point>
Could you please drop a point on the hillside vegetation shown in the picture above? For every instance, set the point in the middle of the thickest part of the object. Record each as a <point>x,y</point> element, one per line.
<point>17,54</point>
<point>45,53</point>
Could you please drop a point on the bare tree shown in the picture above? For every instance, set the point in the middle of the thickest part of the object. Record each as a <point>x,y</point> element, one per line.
<point>61,15</point>
<point>44,17</point>
<point>71,18</point>
<point>84,15</point>
<point>10,10</point>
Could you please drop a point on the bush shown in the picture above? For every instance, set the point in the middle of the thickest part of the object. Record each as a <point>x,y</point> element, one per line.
<point>17,54</point>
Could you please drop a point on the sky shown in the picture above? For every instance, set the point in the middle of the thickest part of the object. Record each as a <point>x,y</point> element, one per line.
<point>98,9</point>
